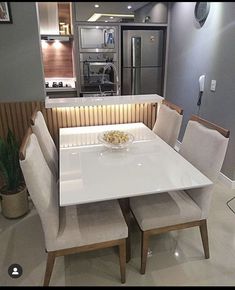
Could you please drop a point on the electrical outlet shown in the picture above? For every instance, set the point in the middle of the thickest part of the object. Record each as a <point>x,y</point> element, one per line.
<point>213,85</point>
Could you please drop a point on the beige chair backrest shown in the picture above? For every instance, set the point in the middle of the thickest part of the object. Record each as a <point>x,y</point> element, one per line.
<point>41,185</point>
<point>204,145</point>
<point>168,122</point>
<point>45,141</point>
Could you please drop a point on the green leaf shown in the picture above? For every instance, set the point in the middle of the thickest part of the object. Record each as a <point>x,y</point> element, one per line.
<point>9,162</point>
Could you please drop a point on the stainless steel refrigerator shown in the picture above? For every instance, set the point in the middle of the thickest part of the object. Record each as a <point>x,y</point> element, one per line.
<point>142,62</point>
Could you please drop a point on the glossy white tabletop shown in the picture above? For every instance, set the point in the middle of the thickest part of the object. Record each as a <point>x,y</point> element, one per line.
<point>90,172</point>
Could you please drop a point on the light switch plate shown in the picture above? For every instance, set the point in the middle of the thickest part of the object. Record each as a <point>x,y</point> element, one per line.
<point>213,85</point>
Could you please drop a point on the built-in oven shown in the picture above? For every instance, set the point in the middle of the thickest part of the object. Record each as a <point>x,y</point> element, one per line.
<point>98,60</point>
<point>98,74</point>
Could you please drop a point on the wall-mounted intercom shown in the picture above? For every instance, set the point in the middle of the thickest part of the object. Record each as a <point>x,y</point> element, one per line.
<point>201,89</point>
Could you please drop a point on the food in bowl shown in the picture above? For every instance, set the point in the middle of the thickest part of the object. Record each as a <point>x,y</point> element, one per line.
<point>116,137</point>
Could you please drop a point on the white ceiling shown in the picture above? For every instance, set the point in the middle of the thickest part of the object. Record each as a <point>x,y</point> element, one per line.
<point>87,9</point>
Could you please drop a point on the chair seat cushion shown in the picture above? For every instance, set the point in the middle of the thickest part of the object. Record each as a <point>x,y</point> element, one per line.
<point>164,209</point>
<point>88,224</point>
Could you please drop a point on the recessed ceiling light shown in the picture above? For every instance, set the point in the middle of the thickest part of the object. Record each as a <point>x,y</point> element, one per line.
<point>111,17</point>
<point>97,5</point>
<point>106,20</point>
<point>129,7</point>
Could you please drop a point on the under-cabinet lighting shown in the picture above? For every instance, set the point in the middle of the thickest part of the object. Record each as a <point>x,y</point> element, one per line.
<point>57,44</point>
<point>44,43</point>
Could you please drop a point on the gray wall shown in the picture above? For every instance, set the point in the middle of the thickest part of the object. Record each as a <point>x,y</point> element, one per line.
<point>209,50</point>
<point>158,11</point>
<point>21,71</point>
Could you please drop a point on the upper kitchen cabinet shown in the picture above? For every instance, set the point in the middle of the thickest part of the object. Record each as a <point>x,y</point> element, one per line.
<point>55,18</point>
<point>55,22</point>
<point>137,12</point>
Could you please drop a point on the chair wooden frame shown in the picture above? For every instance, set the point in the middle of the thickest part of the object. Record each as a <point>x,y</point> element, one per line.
<point>33,117</point>
<point>123,244</point>
<point>173,106</point>
<point>224,132</point>
<point>145,235</point>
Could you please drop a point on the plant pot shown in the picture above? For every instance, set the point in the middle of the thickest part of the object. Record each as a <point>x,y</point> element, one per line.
<point>15,205</point>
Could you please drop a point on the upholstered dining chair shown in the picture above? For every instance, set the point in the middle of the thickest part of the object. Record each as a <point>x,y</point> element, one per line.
<point>71,229</point>
<point>168,122</point>
<point>204,145</point>
<point>45,140</point>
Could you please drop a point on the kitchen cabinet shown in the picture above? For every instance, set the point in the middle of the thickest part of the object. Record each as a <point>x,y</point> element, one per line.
<point>61,93</point>
<point>57,48</point>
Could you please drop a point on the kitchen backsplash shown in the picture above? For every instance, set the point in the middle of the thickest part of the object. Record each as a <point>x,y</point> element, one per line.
<point>57,59</point>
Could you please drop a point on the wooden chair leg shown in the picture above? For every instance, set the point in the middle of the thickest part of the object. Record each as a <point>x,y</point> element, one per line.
<point>125,207</point>
<point>204,236</point>
<point>128,248</point>
<point>144,251</point>
<point>122,258</point>
<point>49,268</point>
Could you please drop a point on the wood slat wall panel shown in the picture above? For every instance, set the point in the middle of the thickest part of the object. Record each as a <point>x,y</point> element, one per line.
<point>96,116</point>
<point>112,114</point>
<point>17,116</point>
<point>87,119</point>
<point>73,117</point>
<point>14,120</point>
<point>104,117</point>
<point>108,115</point>
<point>121,114</point>
<point>100,115</point>
<point>117,114</point>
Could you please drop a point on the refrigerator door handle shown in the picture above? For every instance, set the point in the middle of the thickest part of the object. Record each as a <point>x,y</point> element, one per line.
<point>136,81</point>
<point>136,64</point>
<point>136,51</point>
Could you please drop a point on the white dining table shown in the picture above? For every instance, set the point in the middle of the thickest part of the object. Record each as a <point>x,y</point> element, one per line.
<point>91,172</point>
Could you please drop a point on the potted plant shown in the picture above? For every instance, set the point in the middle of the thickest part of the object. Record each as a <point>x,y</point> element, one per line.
<point>13,191</point>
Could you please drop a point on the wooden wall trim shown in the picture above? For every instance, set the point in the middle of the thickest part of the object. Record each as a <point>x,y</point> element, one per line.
<point>17,116</point>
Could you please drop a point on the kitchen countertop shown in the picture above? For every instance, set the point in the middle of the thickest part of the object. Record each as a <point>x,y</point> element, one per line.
<point>60,89</point>
<point>100,101</point>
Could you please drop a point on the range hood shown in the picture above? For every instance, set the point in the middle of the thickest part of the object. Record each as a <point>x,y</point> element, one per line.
<point>55,37</point>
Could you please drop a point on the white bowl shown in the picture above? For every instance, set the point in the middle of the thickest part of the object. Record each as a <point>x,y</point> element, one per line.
<point>102,137</point>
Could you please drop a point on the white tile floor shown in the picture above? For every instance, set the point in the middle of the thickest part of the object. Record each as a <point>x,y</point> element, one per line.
<point>177,257</point>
